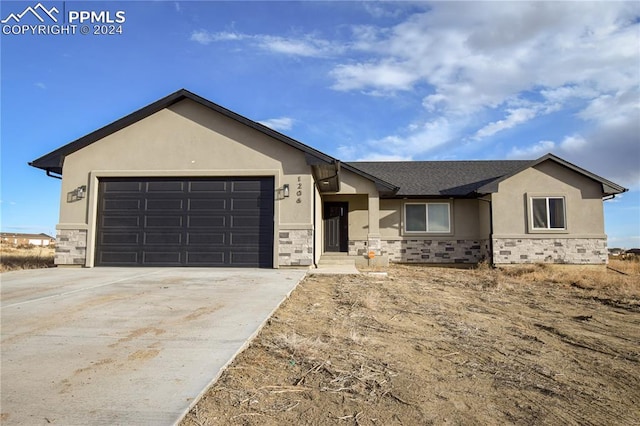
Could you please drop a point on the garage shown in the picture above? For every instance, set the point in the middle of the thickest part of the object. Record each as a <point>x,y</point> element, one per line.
<point>225,222</point>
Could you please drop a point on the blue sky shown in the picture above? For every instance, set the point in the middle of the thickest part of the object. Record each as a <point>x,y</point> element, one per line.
<point>357,80</point>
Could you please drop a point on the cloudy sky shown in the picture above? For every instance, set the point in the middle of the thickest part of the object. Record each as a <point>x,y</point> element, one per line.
<point>357,80</point>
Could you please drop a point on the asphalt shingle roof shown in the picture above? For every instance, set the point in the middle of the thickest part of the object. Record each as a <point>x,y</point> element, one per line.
<point>440,178</point>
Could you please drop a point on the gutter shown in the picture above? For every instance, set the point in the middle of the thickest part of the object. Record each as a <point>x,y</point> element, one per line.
<point>50,174</point>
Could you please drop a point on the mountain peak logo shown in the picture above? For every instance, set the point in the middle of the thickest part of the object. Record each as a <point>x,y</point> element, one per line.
<point>16,17</point>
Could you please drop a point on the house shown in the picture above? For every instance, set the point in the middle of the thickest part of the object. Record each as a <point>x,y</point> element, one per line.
<point>186,182</point>
<point>17,239</point>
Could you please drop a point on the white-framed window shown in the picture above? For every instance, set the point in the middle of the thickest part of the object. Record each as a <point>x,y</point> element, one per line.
<point>427,218</point>
<point>548,213</point>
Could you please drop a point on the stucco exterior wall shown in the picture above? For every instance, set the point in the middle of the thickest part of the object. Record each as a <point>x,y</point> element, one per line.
<point>582,242</point>
<point>187,139</point>
<point>358,213</point>
<point>465,223</point>
<point>584,211</point>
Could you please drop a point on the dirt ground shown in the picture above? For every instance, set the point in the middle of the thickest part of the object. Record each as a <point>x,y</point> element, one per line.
<point>441,346</point>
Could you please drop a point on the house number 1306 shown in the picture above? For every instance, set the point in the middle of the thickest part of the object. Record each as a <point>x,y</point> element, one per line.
<point>299,190</point>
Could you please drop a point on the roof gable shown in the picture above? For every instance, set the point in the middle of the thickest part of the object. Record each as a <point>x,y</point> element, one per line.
<point>392,179</point>
<point>463,178</point>
<point>608,188</point>
<point>53,161</point>
<point>439,178</point>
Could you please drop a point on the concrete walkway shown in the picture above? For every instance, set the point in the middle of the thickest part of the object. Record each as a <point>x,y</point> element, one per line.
<point>107,346</point>
<point>334,270</point>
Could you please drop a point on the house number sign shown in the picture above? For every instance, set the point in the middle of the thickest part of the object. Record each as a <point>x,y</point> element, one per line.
<point>299,190</point>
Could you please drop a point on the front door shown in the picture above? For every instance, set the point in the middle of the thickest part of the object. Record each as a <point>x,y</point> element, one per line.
<point>336,227</point>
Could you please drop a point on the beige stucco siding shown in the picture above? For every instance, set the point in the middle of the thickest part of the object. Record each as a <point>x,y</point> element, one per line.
<point>465,220</point>
<point>358,213</point>
<point>584,211</point>
<point>188,139</point>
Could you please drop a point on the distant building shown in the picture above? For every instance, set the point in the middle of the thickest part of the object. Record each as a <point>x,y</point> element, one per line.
<point>633,251</point>
<point>616,251</point>
<point>16,239</point>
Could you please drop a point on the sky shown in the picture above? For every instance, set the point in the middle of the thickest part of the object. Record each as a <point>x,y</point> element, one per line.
<point>357,80</point>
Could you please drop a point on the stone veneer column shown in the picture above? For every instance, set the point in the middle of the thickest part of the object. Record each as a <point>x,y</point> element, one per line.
<point>71,247</point>
<point>373,237</point>
<point>295,247</point>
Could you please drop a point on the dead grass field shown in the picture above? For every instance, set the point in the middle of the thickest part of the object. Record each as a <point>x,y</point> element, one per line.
<point>12,259</point>
<point>529,345</point>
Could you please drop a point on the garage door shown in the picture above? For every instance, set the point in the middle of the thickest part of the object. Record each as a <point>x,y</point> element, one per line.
<point>185,222</point>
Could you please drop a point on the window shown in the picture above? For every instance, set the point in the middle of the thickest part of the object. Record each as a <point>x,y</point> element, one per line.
<point>547,213</point>
<point>427,217</point>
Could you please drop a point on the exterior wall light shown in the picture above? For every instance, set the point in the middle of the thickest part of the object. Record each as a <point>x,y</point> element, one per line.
<point>285,190</point>
<point>81,192</point>
<point>77,194</point>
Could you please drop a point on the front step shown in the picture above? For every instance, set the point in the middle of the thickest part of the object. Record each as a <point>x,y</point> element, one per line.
<point>336,259</point>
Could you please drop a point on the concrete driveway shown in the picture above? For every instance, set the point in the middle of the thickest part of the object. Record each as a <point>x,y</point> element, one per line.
<point>125,345</point>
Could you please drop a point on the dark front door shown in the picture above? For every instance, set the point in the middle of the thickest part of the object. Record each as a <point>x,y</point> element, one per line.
<point>336,227</point>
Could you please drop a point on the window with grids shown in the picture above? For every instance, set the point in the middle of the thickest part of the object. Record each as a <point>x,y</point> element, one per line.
<point>427,218</point>
<point>548,213</point>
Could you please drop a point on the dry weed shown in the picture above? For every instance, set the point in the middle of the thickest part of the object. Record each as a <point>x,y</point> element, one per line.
<point>13,259</point>
<point>298,347</point>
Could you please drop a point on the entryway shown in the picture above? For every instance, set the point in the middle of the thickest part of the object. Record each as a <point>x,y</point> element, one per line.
<point>336,226</point>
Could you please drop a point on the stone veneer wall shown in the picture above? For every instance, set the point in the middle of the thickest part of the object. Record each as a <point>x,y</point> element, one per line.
<point>71,247</point>
<point>584,251</point>
<point>427,251</point>
<point>295,247</point>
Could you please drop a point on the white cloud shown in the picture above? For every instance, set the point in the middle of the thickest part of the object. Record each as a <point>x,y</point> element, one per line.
<point>306,46</point>
<point>280,124</point>
<point>514,117</point>
<point>381,76</point>
<point>516,60</point>
<point>531,153</point>
<point>472,62</point>
<point>205,37</point>
<point>383,157</point>
<point>40,85</point>
<point>573,143</point>
<point>309,46</point>
<point>416,140</point>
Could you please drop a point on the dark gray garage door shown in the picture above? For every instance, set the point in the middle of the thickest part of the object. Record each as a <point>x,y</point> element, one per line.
<point>185,222</point>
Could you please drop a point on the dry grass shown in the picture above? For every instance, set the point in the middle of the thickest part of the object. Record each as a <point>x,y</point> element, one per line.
<point>619,280</point>
<point>13,259</point>
<point>526,345</point>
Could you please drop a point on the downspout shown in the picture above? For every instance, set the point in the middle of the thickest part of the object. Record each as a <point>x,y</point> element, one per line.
<point>315,224</point>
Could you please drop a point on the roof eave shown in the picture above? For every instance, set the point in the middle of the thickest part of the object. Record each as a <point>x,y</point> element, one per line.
<point>608,188</point>
<point>54,161</point>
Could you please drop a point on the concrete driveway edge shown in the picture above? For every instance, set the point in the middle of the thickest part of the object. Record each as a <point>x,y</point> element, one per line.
<point>242,348</point>
<point>105,346</point>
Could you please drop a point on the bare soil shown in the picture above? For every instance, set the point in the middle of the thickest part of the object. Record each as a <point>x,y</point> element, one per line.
<point>432,345</point>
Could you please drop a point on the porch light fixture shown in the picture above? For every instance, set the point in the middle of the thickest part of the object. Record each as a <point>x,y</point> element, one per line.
<point>77,194</point>
<point>81,192</point>
<point>285,190</point>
